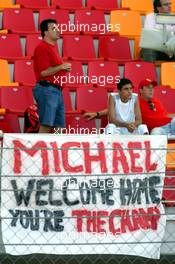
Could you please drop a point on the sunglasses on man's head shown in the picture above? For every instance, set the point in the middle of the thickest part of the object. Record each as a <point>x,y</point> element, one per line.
<point>166,4</point>
<point>151,105</point>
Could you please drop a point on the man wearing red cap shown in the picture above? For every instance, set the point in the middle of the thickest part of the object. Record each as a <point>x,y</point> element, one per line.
<point>154,115</point>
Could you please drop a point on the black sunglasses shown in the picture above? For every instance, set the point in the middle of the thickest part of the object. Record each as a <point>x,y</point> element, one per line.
<point>151,105</point>
<point>167,4</point>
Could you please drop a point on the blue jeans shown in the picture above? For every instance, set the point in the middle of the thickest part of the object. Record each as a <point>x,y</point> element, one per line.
<point>50,105</point>
<point>168,129</point>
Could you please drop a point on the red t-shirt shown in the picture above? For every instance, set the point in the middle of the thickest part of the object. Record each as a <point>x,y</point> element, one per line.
<point>45,56</point>
<point>153,118</point>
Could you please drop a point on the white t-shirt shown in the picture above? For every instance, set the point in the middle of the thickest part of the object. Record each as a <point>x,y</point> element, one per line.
<point>125,111</point>
<point>150,23</point>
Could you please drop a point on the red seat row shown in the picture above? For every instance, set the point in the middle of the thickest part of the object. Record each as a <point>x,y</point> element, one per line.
<point>99,73</point>
<point>85,21</point>
<point>113,48</point>
<point>69,4</point>
<point>87,99</point>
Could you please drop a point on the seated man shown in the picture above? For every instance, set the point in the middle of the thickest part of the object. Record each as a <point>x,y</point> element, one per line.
<point>163,7</point>
<point>124,111</point>
<point>154,115</point>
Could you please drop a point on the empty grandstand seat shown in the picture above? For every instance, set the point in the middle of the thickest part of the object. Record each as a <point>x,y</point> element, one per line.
<point>138,71</point>
<point>16,99</point>
<point>114,48</point>
<point>91,99</point>
<point>7,4</point>
<point>130,22</point>
<point>9,123</point>
<point>137,5</point>
<point>173,6</point>
<point>61,16</point>
<point>24,72</point>
<point>35,5</point>
<point>75,77</point>
<point>77,124</point>
<point>170,158</point>
<point>5,74</point>
<point>169,189</point>
<point>79,48</point>
<point>3,31</point>
<point>31,42</point>
<point>10,47</point>
<point>168,74</point>
<point>105,5</point>
<point>67,4</point>
<point>90,21</point>
<point>104,73</point>
<point>67,100</point>
<point>19,21</point>
<point>104,122</point>
<point>166,95</point>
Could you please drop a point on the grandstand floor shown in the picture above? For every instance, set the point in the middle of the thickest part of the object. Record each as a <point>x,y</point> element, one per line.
<point>95,259</point>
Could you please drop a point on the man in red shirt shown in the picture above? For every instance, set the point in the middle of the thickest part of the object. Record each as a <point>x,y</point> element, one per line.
<point>154,115</point>
<point>49,68</point>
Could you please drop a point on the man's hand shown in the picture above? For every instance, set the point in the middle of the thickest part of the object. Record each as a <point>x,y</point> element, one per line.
<point>90,116</point>
<point>170,45</point>
<point>131,127</point>
<point>65,66</point>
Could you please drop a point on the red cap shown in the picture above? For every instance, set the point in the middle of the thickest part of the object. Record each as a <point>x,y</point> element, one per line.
<point>146,82</point>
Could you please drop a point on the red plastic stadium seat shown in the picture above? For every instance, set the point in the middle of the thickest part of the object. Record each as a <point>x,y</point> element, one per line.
<point>114,48</point>
<point>33,4</point>
<point>78,48</point>
<point>91,99</point>
<point>16,99</point>
<point>106,5</point>
<point>104,74</point>
<point>31,42</point>
<point>91,21</point>
<point>67,4</point>
<point>75,77</point>
<point>61,16</point>
<point>77,124</point>
<point>24,72</point>
<point>10,47</point>
<point>166,95</point>
<point>9,123</point>
<point>104,122</point>
<point>138,71</point>
<point>67,100</point>
<point>19,21</point>
<point>169,189</point>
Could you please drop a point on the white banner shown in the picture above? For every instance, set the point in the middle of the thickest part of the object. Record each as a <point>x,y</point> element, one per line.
<point>83,195</point>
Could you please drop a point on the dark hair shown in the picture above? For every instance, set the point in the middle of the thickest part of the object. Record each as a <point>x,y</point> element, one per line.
<point>44,25</point>
<point>123,82</point>
<point>157,3</point>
